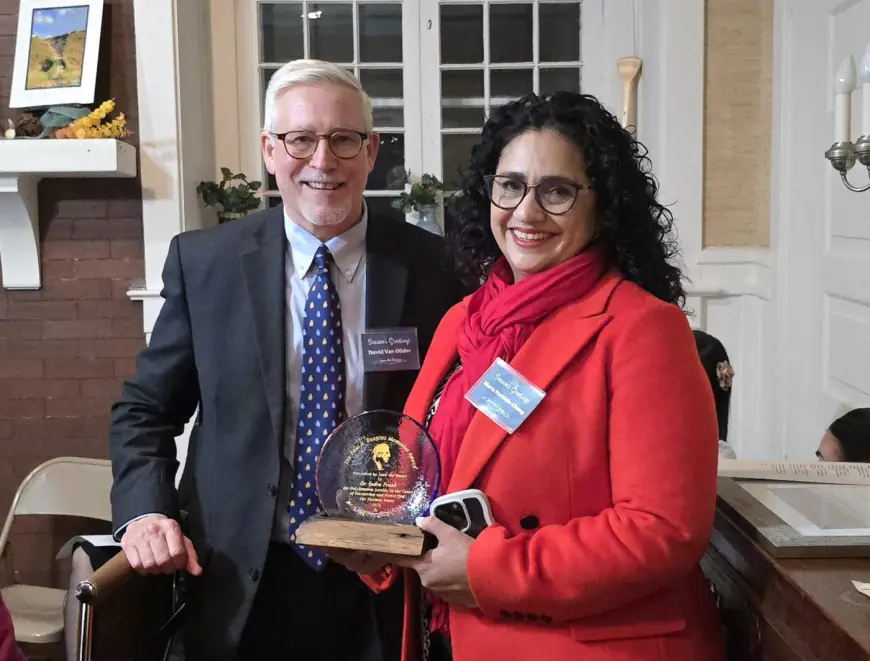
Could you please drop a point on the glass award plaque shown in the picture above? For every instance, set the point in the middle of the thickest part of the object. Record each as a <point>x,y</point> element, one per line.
<point>377,472</point>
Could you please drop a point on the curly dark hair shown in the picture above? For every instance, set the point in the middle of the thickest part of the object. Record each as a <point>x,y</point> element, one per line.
<point>634,230</point>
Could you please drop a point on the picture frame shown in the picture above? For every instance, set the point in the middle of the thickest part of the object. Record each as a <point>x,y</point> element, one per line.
<point>799,519</point>
<point>57,52</point>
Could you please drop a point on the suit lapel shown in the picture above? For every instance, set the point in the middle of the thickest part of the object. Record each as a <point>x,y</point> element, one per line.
<point>263,269</point>
<point>543,357</point>
<point>386,283</point>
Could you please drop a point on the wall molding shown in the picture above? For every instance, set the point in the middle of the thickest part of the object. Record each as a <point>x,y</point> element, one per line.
<point>733,271</point>
<point>151,301</point>
<point>176,138</point>
<point>175,122</point>
<point>731,297</point>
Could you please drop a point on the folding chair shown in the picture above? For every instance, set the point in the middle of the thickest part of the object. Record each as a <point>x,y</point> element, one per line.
<point>66,486</point>
<point>124,616</point>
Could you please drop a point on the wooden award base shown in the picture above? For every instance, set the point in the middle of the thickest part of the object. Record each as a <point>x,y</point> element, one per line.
<point>332,532</point>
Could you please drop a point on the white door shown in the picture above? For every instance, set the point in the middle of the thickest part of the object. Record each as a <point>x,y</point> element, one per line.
<point>821,230</point>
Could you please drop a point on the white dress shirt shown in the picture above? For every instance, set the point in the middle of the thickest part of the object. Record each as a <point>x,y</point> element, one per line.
<point>348,273</point>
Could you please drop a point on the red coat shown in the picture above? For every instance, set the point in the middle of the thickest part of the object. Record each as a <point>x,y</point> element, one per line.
<point>9,650</point>
<point>615,471</point>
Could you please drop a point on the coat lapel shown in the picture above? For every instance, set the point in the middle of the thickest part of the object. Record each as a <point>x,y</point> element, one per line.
<point>441,357</point>
<point>543,357</point>
<point>263,268</point>
<point>386,284</point>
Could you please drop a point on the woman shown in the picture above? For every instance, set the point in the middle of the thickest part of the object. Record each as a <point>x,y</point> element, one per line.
<point>604,496</point>
<point>720,374</point>
<point>848,438</point>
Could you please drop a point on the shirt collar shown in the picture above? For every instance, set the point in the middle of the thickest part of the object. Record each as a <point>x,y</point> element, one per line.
<point>347,249</point>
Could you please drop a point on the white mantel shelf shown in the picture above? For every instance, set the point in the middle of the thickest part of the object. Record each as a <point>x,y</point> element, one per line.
<point>23,162</point>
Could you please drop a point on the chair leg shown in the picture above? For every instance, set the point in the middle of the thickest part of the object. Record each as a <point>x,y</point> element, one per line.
<point>85,632</point>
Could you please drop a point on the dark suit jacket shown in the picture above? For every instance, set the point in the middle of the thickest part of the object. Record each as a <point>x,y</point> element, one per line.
<point>219,342</point>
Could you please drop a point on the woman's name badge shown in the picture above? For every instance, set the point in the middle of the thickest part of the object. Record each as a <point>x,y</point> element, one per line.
<point>390,350</point>
<point>505,396</point>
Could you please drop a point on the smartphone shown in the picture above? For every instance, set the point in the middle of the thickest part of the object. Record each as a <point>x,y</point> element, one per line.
<point>468,511</point>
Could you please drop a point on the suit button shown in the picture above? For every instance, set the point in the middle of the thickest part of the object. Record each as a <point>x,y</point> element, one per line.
<point>273,490</point>
<point>530,522</point>
<point>254,574</point>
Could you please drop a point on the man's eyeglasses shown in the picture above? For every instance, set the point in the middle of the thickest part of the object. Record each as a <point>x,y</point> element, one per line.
<point>554,195</point>
<point>302,144</point>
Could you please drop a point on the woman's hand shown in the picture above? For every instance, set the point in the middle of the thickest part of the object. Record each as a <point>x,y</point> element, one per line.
<point>359,561</point>
<point>444,569</point>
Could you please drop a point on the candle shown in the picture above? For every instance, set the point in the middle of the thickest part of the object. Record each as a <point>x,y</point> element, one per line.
<point>865,96</point>
<point>844,85</point>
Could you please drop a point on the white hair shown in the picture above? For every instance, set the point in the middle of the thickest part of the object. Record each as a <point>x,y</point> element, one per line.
<point>310,72</point>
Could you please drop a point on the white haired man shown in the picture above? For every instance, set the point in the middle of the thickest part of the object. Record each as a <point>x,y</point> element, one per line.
<point>232,338</point>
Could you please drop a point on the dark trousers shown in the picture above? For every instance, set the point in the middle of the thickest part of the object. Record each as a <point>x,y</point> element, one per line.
<point>303,615</point>
<point>440,648</point>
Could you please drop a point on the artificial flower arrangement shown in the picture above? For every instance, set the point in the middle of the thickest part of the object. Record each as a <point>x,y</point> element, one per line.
<point>70,122</point>
<point>93,125</point>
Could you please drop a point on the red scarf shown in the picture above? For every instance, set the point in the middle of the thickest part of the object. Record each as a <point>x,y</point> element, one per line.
<point>500,318</point>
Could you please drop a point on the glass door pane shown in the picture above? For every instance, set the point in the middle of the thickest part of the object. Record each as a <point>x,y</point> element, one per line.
<point>480,54</point>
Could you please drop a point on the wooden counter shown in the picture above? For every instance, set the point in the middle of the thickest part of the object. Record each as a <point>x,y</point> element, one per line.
<point>787,609</point>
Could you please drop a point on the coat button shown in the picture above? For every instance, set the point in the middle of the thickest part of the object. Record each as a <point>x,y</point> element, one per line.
<point>273,490</point>
<point>530,522</point>
<point>254,574</point>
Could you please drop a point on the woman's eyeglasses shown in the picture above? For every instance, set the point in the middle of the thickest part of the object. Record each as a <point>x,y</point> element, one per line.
<point>302,144</point>
<point>554,195</point>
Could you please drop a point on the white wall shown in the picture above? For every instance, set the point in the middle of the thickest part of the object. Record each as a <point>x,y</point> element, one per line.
<point>176,135</point>
<point>820,231</point>
<point>795,318</point>
<point>733,301</point>
<point>730,288</point>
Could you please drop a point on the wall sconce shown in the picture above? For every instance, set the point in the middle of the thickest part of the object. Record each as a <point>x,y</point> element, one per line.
<point>843,154</point>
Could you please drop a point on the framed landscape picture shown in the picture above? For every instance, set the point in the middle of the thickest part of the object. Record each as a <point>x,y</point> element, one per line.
<point>56,53</point>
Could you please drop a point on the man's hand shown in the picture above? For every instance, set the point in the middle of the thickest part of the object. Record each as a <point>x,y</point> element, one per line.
<point>359,562</point>
<point>154,545</point>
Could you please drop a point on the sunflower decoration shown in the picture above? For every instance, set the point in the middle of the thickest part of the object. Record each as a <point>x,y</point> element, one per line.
<point>94,125</point>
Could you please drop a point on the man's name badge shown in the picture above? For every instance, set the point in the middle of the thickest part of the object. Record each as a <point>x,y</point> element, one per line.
<point>505,396</point>
<point>390,350</point>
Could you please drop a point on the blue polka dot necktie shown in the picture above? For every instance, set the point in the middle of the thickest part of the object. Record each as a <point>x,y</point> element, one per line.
<point>321,400</point>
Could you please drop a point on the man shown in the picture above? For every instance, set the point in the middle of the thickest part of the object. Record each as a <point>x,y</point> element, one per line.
<point>234,337</point>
